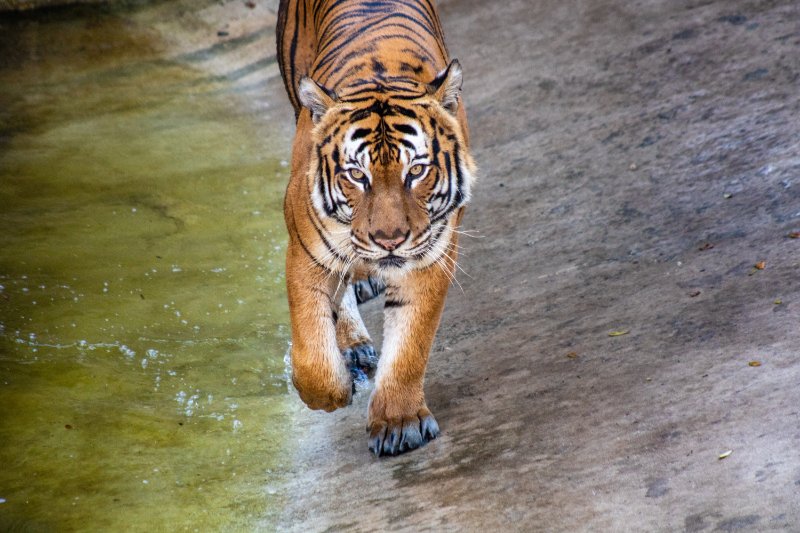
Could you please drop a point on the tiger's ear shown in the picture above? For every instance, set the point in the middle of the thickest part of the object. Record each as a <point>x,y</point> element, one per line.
<point>315,97</point>
<point>446,87</point>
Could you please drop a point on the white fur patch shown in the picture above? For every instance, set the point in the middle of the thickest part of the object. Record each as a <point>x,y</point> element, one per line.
<point>395,328</point>
<point>351,152</point>
<point>416,156</point>
<point>348,310</point>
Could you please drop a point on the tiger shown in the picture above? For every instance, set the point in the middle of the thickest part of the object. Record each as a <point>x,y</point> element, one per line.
<point>381,173</point>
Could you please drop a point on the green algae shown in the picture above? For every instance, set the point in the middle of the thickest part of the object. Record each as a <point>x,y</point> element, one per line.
<point>143,322</point>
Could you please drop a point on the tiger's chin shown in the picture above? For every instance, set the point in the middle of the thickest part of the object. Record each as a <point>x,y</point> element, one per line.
<point>390,266</point>
<point>392,261</point>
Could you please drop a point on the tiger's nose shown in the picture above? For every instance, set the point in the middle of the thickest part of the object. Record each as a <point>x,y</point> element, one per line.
<point>389,242</point>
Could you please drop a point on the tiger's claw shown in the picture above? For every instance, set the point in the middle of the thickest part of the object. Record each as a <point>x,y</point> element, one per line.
<point>396,436</point>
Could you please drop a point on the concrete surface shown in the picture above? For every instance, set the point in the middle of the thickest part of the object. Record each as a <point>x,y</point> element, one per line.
<point>638,159</point>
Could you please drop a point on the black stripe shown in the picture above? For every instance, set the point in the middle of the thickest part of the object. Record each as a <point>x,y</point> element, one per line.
<point>407,144</point>
<point>317,226</point>
<point>405,128</point>
<point>459,175</point>
<point>310,255</point>
<point>379,68</point>
<point>290,78</point>
<point>324,183</point>
<point>404,111</point>
<point>427,29</point>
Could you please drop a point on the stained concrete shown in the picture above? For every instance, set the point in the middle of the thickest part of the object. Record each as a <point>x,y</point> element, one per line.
<point>637,160</point>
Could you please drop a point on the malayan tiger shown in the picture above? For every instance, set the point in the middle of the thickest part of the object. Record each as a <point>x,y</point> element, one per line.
<point>380,175</point>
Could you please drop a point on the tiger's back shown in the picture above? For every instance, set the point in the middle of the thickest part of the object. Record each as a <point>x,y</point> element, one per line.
<point>335,41</point>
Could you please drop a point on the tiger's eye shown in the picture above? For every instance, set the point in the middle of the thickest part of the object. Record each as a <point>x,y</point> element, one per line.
<point>416,170</point>
<point>356,174</point>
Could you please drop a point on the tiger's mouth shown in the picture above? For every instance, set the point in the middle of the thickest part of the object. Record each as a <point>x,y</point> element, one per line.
<point>413,253</point>
<point>391,261</point>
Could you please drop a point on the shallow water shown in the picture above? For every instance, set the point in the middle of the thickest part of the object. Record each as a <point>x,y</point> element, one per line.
<point>143,322</point>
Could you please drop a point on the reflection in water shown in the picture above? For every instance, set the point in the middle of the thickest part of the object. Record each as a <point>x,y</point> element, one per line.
<point>142,314</point>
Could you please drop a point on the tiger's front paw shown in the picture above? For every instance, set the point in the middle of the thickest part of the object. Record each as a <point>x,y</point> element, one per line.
<point>362,357</point>
<point>361,360</point>
<point>367,289</point>
<point>320,390</point>
<point>393,436</point>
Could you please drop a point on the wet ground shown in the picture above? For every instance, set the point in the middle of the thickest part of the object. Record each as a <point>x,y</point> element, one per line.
<point>142,308</point>
<point>615,360</point>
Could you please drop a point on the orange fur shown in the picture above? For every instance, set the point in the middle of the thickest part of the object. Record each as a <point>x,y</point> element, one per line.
<point>381,172</point>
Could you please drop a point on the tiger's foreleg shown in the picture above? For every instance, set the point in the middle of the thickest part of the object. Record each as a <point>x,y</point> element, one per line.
<point>319,372</point>
<point>353,338</point>
<point>399,419</point>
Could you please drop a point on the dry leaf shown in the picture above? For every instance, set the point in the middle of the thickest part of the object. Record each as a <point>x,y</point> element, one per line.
<point>778,301</point>
<point>761,265</point>
<point>754,363</point>
<point>572,355</point>
<point>706,246</point>
<point>618,333</point>
<point>794,235</point>
<point>723,455</point>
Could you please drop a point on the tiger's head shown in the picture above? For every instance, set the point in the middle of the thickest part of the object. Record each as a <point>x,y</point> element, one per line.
<point>390,163</point>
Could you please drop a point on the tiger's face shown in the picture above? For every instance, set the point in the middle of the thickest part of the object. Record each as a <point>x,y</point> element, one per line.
<point>390,167</point>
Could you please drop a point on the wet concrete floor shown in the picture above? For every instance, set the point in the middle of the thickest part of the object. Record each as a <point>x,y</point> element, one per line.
<point>638,160</point>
